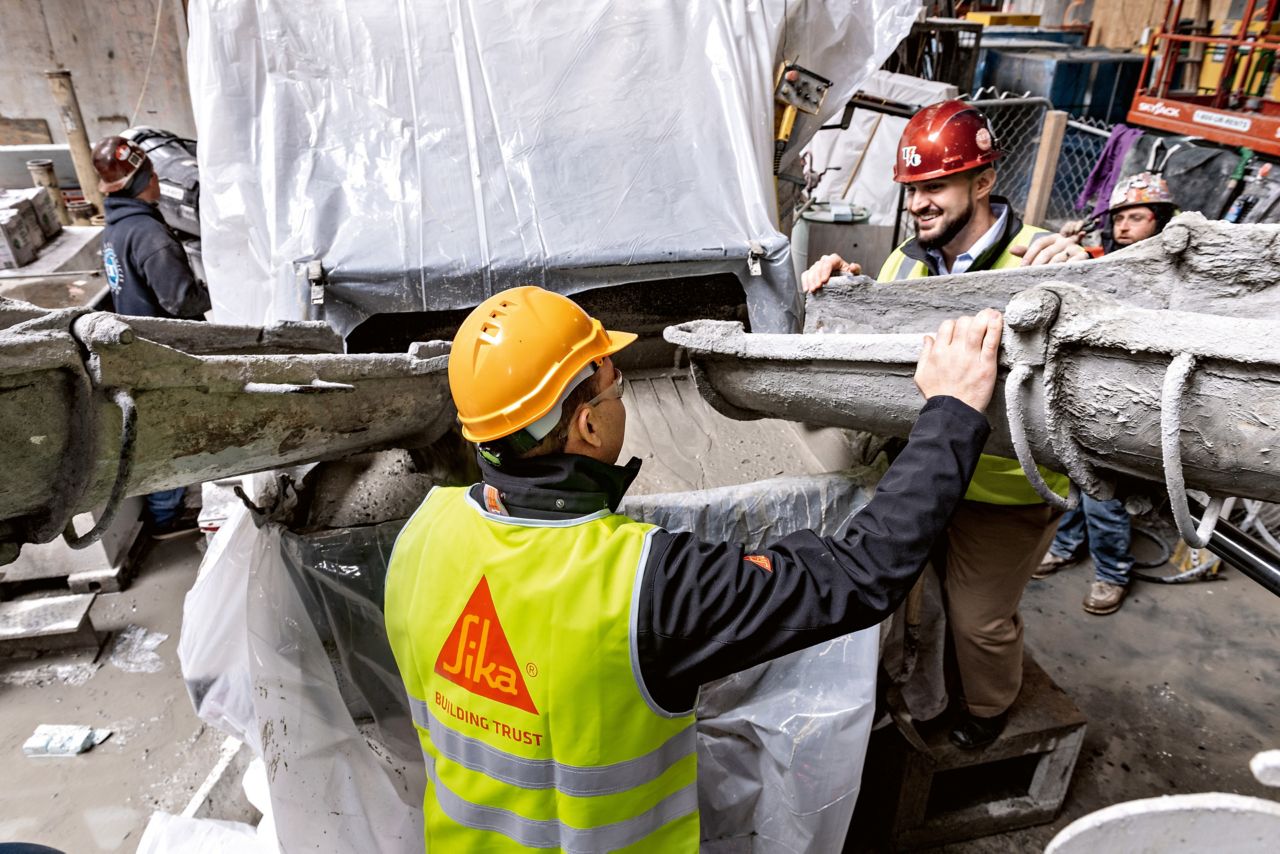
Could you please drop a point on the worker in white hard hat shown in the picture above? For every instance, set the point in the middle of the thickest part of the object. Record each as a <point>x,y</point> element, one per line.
<point>552,649</point>
<point>1141,206</point>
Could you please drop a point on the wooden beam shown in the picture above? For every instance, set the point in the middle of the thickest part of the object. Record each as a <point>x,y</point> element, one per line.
<point>1046,167</point>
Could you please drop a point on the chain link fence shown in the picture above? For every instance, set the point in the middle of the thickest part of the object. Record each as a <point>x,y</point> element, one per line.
<point>1082,146</point>
<point>1018,123</point>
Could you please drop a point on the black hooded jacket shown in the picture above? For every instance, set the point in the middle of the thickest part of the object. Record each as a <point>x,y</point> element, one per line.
<point>146,266</point>
<point>706,610</point>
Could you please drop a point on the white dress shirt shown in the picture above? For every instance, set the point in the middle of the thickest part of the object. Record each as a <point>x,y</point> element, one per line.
<point>965,259</point>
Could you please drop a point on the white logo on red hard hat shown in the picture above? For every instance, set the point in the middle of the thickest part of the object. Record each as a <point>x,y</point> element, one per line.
<point>910,156</point>
<point>983,139</point>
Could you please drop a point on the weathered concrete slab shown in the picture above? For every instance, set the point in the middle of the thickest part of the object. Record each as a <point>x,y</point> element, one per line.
<point>52,622</point>
<point>1195,265</point>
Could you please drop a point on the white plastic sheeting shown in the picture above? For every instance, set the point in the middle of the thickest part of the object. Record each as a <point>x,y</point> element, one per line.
<point>283,646</point>
<point>871,138</point>
<point>433,152</point>
<point>257,668</point>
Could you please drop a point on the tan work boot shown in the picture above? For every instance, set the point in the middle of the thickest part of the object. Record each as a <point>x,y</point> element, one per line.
<point>1051,564</point>
<point>1104,597</point>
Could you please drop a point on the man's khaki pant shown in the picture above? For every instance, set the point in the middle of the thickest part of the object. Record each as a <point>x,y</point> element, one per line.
<point>991,552</point>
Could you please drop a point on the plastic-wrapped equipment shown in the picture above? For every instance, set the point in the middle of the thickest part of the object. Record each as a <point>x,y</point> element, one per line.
<point>283,645</point>
<point>432,152</point>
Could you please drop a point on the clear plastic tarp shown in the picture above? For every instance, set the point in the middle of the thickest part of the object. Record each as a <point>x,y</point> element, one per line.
<point>858,159</point>
<point>283,646</point>
<point>432,152</point>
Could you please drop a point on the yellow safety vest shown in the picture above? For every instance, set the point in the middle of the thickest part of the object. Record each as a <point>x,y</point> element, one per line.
<point>997,480</point>
<point>515,639</point>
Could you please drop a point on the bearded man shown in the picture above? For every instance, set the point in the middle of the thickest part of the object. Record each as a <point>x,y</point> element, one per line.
<point>1001,529</point>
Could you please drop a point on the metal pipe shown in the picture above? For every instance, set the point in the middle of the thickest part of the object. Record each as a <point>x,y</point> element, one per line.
<point>1244,552</point>
<point>203,409</point>
<point>81,213</point>
<point>64,93</point>
<point>42,175</point>
<point>1171,55</point>
<point>1092,405</point>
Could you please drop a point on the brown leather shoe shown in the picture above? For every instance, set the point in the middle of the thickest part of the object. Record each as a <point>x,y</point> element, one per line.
<point>1104,597</point>
<point>1051,564</point>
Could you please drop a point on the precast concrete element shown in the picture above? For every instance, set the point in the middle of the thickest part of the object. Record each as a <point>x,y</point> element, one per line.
<point>1085,388</point>
<point>95,407</point>
<point>1194,265</point>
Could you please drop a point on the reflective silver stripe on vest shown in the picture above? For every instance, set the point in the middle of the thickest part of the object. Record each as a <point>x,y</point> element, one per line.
<point>535,833</point>
<point>579,781</point>
<point>905,268</point>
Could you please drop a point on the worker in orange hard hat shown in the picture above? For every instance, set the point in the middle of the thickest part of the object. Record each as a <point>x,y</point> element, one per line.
<point>552,649</point>
<point>947,159</point>
<point>148,273</point>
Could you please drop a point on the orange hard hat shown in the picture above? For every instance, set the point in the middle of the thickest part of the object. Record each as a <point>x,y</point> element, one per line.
<point>116,159</point>
<point>516,358</point>
<point>943,139</point>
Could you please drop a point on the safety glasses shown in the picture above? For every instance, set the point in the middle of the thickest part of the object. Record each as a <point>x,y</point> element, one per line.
<point>613,392</point>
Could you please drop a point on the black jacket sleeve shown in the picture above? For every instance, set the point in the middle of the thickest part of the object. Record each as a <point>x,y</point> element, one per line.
<point>705,611</point>
<point>168,275</point>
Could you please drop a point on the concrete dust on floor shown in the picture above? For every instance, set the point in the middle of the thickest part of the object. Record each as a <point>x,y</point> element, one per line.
<point>158,752</point>
<point>1180,687</point>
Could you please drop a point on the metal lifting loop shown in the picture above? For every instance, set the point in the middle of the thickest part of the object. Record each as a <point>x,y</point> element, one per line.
<point>128,433</point>
<point>1176,379</point>
<point>1018,434</point>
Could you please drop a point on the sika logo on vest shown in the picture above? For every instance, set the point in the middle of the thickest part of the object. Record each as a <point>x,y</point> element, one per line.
<point>477,657</point>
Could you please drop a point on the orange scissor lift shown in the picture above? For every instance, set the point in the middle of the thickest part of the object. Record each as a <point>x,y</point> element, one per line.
<point>1219,87</point>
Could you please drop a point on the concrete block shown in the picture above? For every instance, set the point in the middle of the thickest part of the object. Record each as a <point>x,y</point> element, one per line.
<point>52,622</point>
<point>101,567</point>
<point>948,794</point>
<point>42,203</point>
<point>18,240</point>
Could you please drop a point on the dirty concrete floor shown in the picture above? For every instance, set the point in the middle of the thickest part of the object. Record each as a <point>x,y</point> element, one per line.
<point>1180,687</point>
<point>158,753</point>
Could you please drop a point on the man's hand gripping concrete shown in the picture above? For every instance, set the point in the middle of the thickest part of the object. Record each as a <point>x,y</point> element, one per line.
<point>960,360</point>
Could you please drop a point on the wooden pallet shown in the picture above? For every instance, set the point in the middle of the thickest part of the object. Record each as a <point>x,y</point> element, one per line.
<point>915,800</point>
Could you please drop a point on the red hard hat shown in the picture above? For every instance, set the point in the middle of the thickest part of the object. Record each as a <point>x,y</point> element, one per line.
<point>116,159</point>
<point>943,139</point>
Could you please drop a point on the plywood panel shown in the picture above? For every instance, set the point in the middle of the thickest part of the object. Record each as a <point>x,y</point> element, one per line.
<point>106,47</point>
<point>1120,23</point>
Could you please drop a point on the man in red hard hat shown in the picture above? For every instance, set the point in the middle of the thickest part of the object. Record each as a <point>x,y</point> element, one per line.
<point>946,158</point>
<point>147,271</point>
<point>146,266</point>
